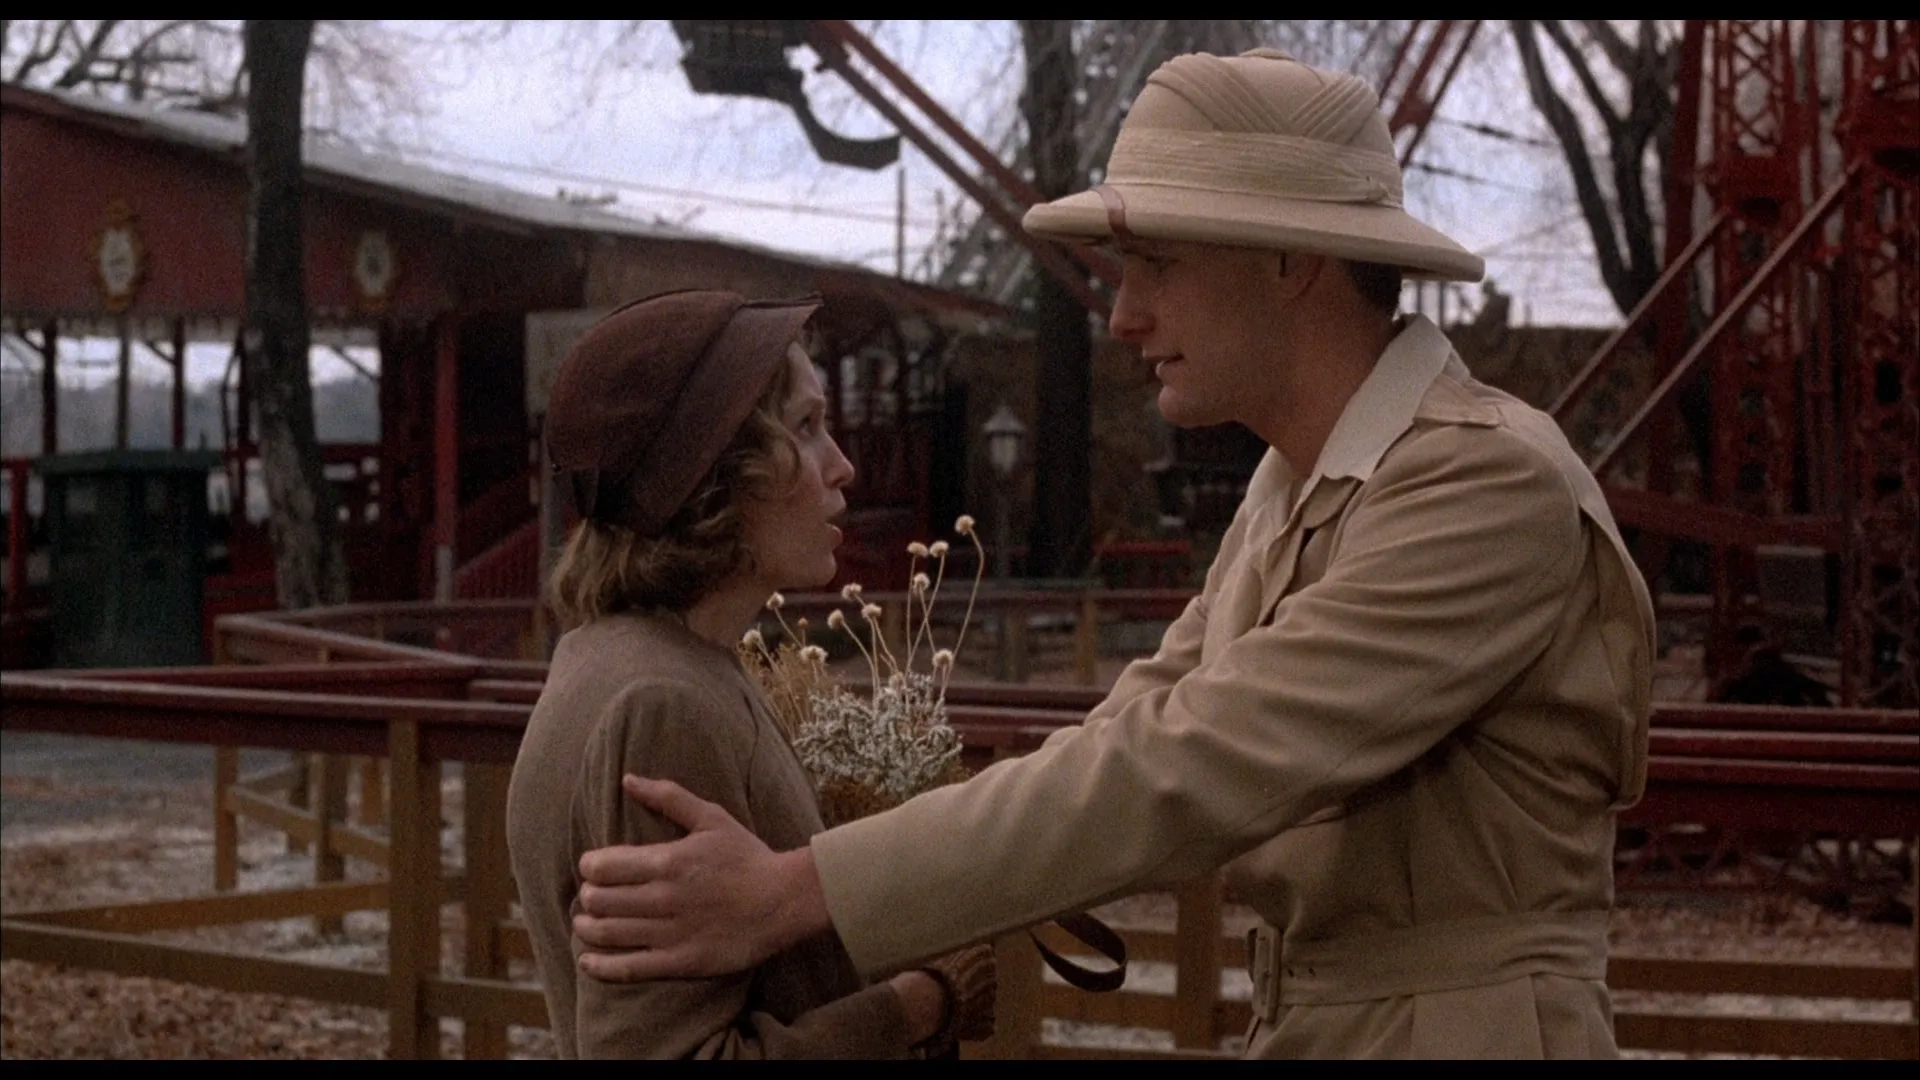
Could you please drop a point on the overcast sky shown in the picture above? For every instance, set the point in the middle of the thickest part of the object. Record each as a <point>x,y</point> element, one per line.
<point>739,167</point>
<point>544,106</point>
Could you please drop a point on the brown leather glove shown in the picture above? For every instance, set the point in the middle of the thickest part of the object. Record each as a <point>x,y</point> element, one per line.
<point>970,978</point>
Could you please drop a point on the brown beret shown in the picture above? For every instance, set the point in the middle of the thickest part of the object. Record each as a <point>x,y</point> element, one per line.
<point>646,401</point>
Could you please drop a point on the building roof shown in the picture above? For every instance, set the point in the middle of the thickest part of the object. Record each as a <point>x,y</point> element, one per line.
<point>351,168</point>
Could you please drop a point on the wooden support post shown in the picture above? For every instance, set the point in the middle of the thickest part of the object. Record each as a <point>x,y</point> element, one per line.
<point>413,869</point>
<point>1016,644</point>
<point>122,387</point>
<point>1086,641</point>
<point>489,892</point>
<point>179,382</point>
<point>300,796</point>
<point>1197,933</point>
<point>1016,1020</point>
<point>446,456</point>
<point>373,792</point>
<point>18,476</point>
<point>226,823</point>
<point>329,811</point>
<point>49,388</point>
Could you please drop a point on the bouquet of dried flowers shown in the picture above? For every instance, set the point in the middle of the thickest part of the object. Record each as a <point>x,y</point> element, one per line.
<point>868,753</point>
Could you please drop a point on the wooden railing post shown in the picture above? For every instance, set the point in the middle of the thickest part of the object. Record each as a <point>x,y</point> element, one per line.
<point>329,811</point>
<point>373,792</point>
<point>413,869</point>
<point>489,893</point>
<point>1016,1009</point>
<point>300,796</point>
<point>1197,931</point>
<point>1014,622</point>
<point>1086,640</point>
<point>226,822</point>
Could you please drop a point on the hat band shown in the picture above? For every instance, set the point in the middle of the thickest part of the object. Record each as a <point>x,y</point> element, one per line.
<point>1250,163</point>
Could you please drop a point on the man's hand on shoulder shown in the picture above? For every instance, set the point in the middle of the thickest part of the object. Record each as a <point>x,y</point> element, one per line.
<point>714,902</point>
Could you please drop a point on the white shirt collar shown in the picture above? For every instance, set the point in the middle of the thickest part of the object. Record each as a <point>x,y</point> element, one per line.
<point>1382,409</point>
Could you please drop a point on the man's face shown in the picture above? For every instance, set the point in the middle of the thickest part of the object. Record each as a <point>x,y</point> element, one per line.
<point>1204,315</point>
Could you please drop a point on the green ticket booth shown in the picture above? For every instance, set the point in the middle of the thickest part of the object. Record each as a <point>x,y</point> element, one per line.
<point>127,539</point>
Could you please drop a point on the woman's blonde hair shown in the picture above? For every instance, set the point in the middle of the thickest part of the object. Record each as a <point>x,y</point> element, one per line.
<point>605,569</point>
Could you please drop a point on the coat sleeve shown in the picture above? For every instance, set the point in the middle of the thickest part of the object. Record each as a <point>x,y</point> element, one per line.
<point>1449,575</point>
<point>682,733</point>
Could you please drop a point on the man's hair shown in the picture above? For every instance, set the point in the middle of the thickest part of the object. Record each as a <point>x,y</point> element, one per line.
<point>1378,284</point>
<point>605,569</point>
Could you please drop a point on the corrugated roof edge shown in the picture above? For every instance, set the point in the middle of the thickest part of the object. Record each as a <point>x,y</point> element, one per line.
<point>330,160</point>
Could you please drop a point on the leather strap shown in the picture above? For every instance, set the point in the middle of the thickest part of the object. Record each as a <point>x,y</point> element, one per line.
<point>1097,936</point>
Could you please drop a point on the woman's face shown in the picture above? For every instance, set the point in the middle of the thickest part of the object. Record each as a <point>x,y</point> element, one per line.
<point>792,534</point>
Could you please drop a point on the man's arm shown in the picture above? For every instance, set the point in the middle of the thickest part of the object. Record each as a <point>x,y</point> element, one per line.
<point>1449,576</point>
<point>681,731</point>
<point>1450,572</point>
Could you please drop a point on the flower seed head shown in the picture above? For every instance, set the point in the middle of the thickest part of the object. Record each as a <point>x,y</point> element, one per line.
<point>917,549</point>
<point>837,620</point>
<point>814,654</point>
<point>938,549</point>
<point>964,525</point>
<point>850,591</point>
<point>870,612</point>
<point>776,602</point>
<point>943,659</point>
<point>921,583</point>
<point>753,639</point>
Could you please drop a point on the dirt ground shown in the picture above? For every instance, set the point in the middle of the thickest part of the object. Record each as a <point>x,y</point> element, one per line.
<point>91,822</point>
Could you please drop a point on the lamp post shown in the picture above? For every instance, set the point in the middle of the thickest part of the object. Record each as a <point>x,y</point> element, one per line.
<point>1005,436</point>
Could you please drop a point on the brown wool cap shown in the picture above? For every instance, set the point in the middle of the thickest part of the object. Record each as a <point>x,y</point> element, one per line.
<point>646,401</point>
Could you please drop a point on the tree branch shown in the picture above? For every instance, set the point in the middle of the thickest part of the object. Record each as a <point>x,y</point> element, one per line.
<point>1624,59</point>
<point>1583,72</point>
<point>1573,145</point>
<point>89,55</point>
<point>36,54</point>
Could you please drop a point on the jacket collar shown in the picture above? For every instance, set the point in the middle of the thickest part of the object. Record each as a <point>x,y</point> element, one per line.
<point>1375,417</point>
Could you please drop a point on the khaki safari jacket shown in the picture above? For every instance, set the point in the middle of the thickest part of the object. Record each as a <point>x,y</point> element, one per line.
<point>1400,713</point>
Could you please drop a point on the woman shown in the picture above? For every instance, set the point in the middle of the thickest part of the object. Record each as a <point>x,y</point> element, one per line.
<point>689,429</point>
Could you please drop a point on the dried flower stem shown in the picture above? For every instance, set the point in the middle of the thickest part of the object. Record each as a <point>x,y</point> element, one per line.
<point>979,570</point>
<point>913,567</point>
<point>926,605</point>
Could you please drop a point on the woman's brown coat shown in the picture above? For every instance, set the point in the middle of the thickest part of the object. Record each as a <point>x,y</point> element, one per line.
<point>642,694</point>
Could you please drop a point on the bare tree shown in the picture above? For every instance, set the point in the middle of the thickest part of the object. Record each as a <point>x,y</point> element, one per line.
<point>363,77</point>
<point>309,562</point>
<point>1620,211</point>
<point>1059,540</point>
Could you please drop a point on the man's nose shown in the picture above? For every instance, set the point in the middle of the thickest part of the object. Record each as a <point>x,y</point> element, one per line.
<point>1131,320</point>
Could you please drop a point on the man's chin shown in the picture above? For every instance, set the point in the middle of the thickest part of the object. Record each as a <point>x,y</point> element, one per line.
<point>1181,413</point>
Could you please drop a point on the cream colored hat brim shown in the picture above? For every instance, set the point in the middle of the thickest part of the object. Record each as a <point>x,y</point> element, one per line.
<point>1359,232</point>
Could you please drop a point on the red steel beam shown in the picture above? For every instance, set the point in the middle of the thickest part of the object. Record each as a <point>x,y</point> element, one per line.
<point>1676,271</point>
<point>828,36</point>
<point>1399,57</point>
<point>1669,386</point>
<point>1716,523</point>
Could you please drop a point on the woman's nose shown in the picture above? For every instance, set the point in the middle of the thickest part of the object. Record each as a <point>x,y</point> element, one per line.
<point>839,469</point>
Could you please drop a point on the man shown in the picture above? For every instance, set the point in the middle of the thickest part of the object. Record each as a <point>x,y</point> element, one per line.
<point>1401,713</point>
